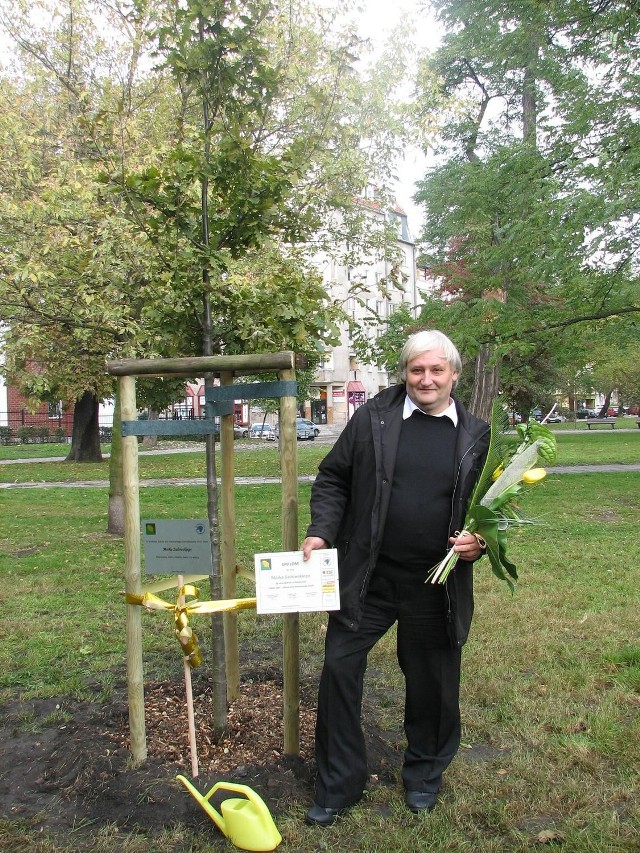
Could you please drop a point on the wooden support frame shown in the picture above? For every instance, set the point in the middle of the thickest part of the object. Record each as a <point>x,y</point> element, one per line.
<point>225,367</point>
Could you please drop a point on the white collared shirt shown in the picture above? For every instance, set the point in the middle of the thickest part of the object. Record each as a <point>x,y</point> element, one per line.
<point>450,412</point>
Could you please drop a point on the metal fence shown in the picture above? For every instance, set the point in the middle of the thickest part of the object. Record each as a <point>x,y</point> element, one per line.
<point>20,426</point>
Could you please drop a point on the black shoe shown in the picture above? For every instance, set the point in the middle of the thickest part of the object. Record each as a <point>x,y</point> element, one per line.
<point>420,801</point>
<point>321,816</point>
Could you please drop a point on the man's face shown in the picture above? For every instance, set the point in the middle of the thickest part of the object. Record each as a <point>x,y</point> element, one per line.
<point>429,381</point>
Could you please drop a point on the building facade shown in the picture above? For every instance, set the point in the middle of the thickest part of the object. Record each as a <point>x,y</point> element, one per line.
<point>370,292</point>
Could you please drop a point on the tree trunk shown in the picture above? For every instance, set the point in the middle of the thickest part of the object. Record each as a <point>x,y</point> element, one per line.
<point>218,653</point>
<point>529,108</point>
<point>85,437</point>
<point>150,442</point>
<point>115,523</point>
<point>219,723</point>
<point>535,36</point>
<point>486,384</point>
<point>605,406</point>
<point>487,371</point>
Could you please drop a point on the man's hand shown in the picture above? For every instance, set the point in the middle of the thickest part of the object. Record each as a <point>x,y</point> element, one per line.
<point>467,547</point>
<point>312,543</point>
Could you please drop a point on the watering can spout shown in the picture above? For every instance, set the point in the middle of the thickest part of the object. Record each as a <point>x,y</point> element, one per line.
<point>246,821</point>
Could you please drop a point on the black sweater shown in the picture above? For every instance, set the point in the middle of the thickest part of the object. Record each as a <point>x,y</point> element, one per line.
<point>416,531</point>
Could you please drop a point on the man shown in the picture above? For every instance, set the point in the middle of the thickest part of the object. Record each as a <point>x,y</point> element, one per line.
<point>390,496</point>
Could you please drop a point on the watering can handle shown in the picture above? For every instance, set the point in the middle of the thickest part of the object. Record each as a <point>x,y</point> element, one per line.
<point>232,786</point>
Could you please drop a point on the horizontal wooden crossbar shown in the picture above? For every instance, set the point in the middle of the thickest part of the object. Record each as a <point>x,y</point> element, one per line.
<point>199,365</point>
<point>250,391</point>
<point>164,427</point>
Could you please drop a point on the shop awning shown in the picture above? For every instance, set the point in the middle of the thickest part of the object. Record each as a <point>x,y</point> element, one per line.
<point>356,386</point>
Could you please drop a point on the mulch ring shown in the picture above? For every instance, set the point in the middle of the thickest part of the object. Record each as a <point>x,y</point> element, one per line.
<point>66,764</point>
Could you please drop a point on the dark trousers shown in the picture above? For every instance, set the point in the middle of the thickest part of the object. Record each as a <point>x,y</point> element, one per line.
<point>431,668</point>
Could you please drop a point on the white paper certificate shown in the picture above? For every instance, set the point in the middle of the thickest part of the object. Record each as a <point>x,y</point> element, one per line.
<point>285,583</point>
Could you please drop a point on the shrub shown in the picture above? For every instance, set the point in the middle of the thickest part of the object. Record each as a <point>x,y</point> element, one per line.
<point>33,434</point>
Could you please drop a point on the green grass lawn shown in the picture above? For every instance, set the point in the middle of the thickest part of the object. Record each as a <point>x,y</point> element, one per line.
<point>551,683</point>
<point>598,447</point>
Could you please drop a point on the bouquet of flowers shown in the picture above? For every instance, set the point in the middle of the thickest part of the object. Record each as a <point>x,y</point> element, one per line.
<point>493,508</point>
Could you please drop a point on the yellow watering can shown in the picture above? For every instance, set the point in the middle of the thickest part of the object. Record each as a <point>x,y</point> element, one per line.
<point>246,822</point>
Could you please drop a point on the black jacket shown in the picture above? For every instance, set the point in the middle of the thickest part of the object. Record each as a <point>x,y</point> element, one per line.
<point>350,499</point>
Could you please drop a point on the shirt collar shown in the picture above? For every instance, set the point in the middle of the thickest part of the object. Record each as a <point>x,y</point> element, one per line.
<point>450,412</point>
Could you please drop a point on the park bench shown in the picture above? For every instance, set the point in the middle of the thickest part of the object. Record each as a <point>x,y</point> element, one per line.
<point>597,421</point>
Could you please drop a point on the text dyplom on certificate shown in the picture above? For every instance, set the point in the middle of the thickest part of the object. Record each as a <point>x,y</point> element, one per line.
<point>285,583</point>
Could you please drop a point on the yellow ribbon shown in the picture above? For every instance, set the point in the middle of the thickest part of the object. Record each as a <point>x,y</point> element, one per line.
<point>182,611</point>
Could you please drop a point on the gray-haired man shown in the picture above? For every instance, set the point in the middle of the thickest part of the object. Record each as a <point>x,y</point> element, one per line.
<point>390,496</point>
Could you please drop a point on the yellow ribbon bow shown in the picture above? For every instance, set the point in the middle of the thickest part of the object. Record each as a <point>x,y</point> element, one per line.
<point>182,611</point>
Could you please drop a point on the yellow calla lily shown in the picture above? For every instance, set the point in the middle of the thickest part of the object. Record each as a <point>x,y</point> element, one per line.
<point>534,475</point>
<point>497,472</point>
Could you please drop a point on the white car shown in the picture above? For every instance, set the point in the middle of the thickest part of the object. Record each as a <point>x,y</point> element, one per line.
<point>263,431</point>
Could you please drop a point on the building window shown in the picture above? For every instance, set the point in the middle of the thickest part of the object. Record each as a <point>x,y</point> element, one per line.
<point>327,363</point>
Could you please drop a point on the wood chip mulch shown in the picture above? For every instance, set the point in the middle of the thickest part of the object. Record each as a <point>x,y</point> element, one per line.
<point>254,733</point>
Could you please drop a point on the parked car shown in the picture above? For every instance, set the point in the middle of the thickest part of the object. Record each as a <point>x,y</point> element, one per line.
<point>305,430</point>
<point>311,425</point>
<point>263,431</point>
<point>554,418</point>
<point>240,431</point>
<point>586,413</point>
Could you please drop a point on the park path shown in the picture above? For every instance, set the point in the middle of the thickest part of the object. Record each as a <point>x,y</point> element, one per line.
<point>328,437</point>
<point>261,481</point>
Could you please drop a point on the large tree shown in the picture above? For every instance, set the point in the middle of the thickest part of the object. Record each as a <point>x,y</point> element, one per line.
<point>102,117</point>
<point>528,214</point>
<point>74,271</point>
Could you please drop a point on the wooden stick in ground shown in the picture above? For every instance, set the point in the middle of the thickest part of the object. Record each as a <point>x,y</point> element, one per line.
<point>189,694</point>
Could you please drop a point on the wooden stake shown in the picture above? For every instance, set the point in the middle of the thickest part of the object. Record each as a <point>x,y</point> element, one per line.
<point>291,621</point>
<point>132,576</point>
<point>228,549</point>
<point>193,749</point>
